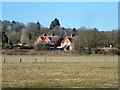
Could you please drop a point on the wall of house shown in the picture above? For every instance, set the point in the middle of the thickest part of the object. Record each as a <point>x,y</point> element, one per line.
<point>58,43</point>
<point>67,42</point>
<point>38,40</point>
<point>47,40</point>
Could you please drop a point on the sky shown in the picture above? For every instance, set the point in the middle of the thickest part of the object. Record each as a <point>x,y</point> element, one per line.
<point>100,15</point>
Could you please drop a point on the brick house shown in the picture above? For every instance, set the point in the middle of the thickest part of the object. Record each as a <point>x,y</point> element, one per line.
<point>52,39</point>
<point>67,43</point>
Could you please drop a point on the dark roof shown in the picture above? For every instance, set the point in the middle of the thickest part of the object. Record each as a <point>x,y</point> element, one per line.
<point>71,39</point>
<point>53,38</point>
<point>50,38</point>
<point>42,38</point>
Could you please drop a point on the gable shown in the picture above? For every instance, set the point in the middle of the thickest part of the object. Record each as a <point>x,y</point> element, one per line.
<point>47,40</point>
<point>39,39</point>
<point>67,40</point>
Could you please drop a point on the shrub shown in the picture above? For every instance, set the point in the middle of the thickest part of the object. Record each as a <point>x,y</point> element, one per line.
<point>5,46</point>
<point>40,47</point>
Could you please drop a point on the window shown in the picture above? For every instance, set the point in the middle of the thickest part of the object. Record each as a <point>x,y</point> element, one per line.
<point>49,42</point>
<point>70,47</point>
<point>37,42</point>
<point>68,43</point>
<point>65,43</point>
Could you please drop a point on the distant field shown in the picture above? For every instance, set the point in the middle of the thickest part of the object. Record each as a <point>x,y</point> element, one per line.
<point>60,71</point>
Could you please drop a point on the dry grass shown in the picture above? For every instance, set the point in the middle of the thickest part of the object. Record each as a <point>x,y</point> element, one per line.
<point>60,71</point>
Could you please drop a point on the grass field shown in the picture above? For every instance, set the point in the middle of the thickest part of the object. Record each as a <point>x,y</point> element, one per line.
<point>60,71</point>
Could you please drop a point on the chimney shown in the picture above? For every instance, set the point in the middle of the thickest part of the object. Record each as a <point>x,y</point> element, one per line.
<point>71,35</point>
<point>52,35</point>
<point>44,35</point>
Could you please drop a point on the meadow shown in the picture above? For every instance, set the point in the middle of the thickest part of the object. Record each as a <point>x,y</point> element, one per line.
<point>37,71</point>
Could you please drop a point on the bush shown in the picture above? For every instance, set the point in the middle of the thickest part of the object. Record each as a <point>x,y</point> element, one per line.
<point>5,46</point>
<point>19,43</point>
<point>40,47</point>
<point>114,52</point>
<point>110,52</point>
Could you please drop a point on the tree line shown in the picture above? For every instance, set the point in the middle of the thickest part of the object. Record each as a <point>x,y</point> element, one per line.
<point>90,41</point>
<point>16,32</point>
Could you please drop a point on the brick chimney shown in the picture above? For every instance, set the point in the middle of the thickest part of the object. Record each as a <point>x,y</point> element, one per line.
<point>44,35</point>
<point>52,35</point>
<point>71,35</point>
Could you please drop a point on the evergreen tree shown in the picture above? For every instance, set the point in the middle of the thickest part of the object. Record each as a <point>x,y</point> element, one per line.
<point>54,23</point>
<point>38,25</point>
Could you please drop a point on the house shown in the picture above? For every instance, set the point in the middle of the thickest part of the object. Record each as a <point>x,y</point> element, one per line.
<point>56,42</point>
<point>52,40</point>
<point>39,39</point>
<point>67,43</point>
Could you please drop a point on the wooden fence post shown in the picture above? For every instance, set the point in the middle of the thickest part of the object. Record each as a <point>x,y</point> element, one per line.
<point>20,60</point>
<point>4,60</point>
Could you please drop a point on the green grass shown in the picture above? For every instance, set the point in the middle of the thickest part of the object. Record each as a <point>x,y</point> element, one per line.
<point>94,71</point>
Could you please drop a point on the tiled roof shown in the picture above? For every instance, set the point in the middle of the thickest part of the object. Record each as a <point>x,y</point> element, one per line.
<point>53,38</point>
<point>71,39</point>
